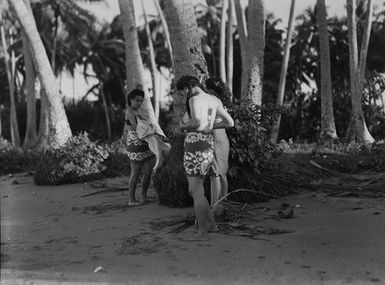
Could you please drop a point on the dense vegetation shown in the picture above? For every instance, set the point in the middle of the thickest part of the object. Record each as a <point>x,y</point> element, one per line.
<point>73,38</point>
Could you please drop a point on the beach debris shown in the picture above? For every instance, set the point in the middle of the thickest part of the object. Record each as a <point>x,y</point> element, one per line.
<point>286,211</point>
<point>106,188</point>
<point>238,219</point>
<point>143,243</point>
<point>98,269</point>
<point>365,184</point>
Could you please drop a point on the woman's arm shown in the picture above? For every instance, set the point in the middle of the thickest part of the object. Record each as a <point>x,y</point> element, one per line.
<point>195,121</point>
<point>130,116</point>
<point>227,121</point>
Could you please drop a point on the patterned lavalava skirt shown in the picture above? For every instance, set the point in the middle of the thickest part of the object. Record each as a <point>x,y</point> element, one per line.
<point>198,153</point>
<point>136,149</point>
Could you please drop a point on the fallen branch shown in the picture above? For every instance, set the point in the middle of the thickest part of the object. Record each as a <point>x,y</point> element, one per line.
<point>243,190</point>
<point>108,190</point>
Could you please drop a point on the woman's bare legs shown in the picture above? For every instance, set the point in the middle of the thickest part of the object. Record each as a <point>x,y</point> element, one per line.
<point>219,188</point>
<point>203,213</point>
<point>215,187</point>
<point>147,170</point>
<point>132,181</point>
<point>224,186</point>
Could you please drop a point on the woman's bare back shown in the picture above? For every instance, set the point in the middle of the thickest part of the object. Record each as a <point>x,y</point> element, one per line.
<point>204,108</point>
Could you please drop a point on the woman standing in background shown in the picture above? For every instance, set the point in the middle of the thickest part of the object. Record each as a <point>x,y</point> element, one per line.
<point>218,177</point>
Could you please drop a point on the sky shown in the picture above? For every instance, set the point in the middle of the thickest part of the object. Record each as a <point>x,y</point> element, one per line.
<point>280,8</point>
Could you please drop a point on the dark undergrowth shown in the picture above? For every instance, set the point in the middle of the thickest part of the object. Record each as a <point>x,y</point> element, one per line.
<point>296,166</point>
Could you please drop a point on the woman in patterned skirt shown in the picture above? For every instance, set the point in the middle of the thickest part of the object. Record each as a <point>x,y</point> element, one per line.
<point>141,158</point>
<point>218,177</point>
<point>202,109</point>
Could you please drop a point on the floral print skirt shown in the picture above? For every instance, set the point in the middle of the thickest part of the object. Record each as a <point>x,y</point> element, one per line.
<point>198,153</point>
<point>136,149</point>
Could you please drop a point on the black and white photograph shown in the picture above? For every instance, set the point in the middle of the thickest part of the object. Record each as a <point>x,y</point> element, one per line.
<point>192,142</point>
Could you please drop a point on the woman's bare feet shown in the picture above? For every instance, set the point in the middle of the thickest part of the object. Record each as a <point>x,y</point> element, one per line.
<point>134,203</point>
<point>213,228</point>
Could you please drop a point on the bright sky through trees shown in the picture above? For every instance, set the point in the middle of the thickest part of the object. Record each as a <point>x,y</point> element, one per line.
<point>107,10</point>
<point>280,8</point>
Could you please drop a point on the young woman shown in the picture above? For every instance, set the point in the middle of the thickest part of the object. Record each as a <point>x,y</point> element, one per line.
<point>141,158</point>
<point>202,108</point>
<point>218,178</point>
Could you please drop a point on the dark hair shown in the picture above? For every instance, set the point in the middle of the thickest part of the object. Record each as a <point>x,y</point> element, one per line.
<point>187,81</point>
<point>221,90</point>
<point>133,94</point>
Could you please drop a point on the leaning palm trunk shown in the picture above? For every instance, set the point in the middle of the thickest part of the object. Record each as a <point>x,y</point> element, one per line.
<point>359,130</point>
<point>59,129</point>
<point>328,128</point>
<point>282,79</point>
<point>153,69</point>
<point>230,46</point>
<point>43,133</point>
<point>30,77</point>
<point>14,126</point>
<point>134,65</point>
<point>186,46</point>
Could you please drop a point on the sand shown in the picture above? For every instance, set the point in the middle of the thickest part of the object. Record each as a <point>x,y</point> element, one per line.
<point>51,235</point>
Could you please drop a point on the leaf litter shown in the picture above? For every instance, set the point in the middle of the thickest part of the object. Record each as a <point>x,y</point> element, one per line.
<point>366,184</point>
<point>240,219</point>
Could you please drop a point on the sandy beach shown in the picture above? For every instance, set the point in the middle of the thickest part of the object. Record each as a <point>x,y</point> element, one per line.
<point>53,235</point>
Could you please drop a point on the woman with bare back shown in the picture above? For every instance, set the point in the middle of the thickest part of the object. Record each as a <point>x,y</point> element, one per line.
<point>202,108</point>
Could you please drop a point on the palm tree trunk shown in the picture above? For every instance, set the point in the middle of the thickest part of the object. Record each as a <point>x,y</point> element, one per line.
<point>230,46</point>
<point>185,40</point>
<point>59,129</point>
<point>282,79</point>
<point>134,65</point>
<point>105,106</point>
<point>54,45</point>
<point>186,46</point>
<point>14,126</point>
<point>153,69</point>
<point>165,30</point>
<point>255,51</point>
<point>1,126</point>
<point>30,77</point>
<point>43,133</point>
<point>360,131</point>
<point>222,40</point>
<point>328,128</point>
<point>243,42</point>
